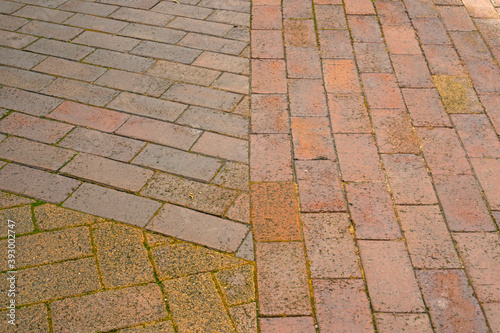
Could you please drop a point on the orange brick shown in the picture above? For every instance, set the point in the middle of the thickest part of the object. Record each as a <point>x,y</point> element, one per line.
<point>341,76</point>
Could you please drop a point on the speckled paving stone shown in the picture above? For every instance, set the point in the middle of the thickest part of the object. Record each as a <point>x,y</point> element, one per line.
<point>237,284</point>
<point>33,318</point>
<point>21,215</point>
<point>49,217</point>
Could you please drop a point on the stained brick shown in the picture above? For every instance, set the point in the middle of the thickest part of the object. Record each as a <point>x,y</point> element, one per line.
<point>390,277</point>
<point>160,132</point>
<point>348,113</point>
<point>184,73</point>
<point>492,312</point>
<point>106,41</point>
<point>401,40</point>
<point>342,305</point>
<point>102,144</point>
<point>271,158</point>
<point>34,153</point>
<point>358,157</point>
<point>341,76</point>
<point>457,94</point>
<point>267,44</point>
<point>119,60</point>
<point>50,30</point>
<point>481,8</point>
<point>138,83</point>
<point>300,33</point>
<point>470,45</point>
<point>456,18</point>
<point>223,62</point>
<point>487,173</point>
<point>274,212</point>
<point>330,17</point>
<point>19,78</point>
<point>443,59</point>
<point>11,23</point>
<point>222,146</point>
<point>359,7</point>
<point>307,97</point>
<point>297,9</point>
<point>59,49</point>
<point>204,229</point>
<point>27,102</point>
<point>34,128</point>
<point>268,76</point>
<point>335,44</point>
<point>240,211</point>
<point>392,13</point>
<point>202,96</point>
<point>49,217</point>
<point>80,91</point>
<point>402,322</point>
<point>427,236</point>
<point>282,279</point>
<point>485,75</point>
<point>230,17</point>
<point>364,29</point>
<point>420,8</point>
<point>372,58</point>
<point>409,180</point>
<point>425,107</point>
<point>382,91</point>
<point>477,135</point>
<point>22,215</point>
<point>112,204</point>
<point>8,7</point>
<point>462,311</point>
<point>312,138</point>
<point>431,31</point>
<point>15,40</point>
<point>70,69</point>
<point>232,82</point>
<point>20,59</point>
<point>411,71</point>
<point>32,318</point>
<point>372,211</point>
<point>269,114</point>
<point>394,131</point>
<point>158,34</point>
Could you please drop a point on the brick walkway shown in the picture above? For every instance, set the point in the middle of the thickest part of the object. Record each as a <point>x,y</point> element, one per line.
<point>370,156</point>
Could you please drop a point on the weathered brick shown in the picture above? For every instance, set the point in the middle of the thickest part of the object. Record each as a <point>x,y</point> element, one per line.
<point>427,236</point>
<point>11,200</point>
<point>232,82</point>
<point>20,59</point>
<point>443,60</point>
<point>204,27</point>
<point>300,33</point>
<point>216,121</point>
<point>409,180</point>
<point>102,144</point>
<point>21,215</point>
<point>112,204</point>
<point>334,44</point>
<point>88,7</point>
<point>235,5</point>
<point>184,73</point>
<point>372,58</point>
<point>382,91</point>
<point>487,172</point>
<point>223,62</point>
<point>492,312</point>
<point>297,9</point>
<point>31,319</point>
<point>125,307</point>
<point>119,60</point>
<point>141,16</point>
<point>59,49</point>
<point>481,8</point>
<point>359,7</point>
<point>70,69</point>
<point>402,322</point>
<point>222,146</point>
<point>390,277</point>
<point>394,131</point>
<point>160,132</point>
<point>211,231</point>
<point>202,96</point>
<point>348,113</point>
<point>266,17</point>
<point>11,23</point>
<point>193,310</point>
<point>431,31</point>
<point>477,135</point>
<point>288,324</point>
<point>457,94</point>
<point>211,43</point>
<point>106,41</point>
<point>44,14</point>
<point>372,211</point>
<point>463,204</point>
<point>490,103</point>
<point>96,23</point>
<point>158,34</point>
<point>312,138</point>
<point>80,91</point>
<point>330,17</point>
<point>341,76</point>
<point>34,128</point>
<point>470,45</point>
<point>401,40</point>
<point>456,18</point>
<point>425,107</point>
<point>34,153</point>
<point>282,279</point>
<point>8,7</point>
<point>411,71</point>
<point>27,102</point>
<point>392,13</point>
<point>15,40</point>
<point>307,97</point>
<point>450,287</point>
<point>50,30</point>
<point>485,76</point>
<point>358,157</point>
<point>271,157</point>
<point>182,9</point>
<point>268,76</point>
<point>138,83</point>
<point>230,17</point>
<point>267,44</point>
<point>269,114</point>
<point>45,3</point>
<point>147,106</point>
<point>342,304</point>
<point>364,29</point>
<point>420,8</point>
<point>189,193</point>
<point>240,210</point>
<point>141,4</point>
<point>246,249</point>
<point>50,217</point>
<point>19,78</point>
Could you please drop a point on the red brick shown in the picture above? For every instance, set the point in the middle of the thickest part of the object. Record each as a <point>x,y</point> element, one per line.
<point>481,8</point>
<point>330,17</point>
<point>358,157</point>
<point>382,91</point>
<point>412,71</point>
<point>364,29</point>
<point>36,183</point>
<point>491,103</point>
<point>420,8</point>
<point>271,158</point>
<point>458,94</point>
<point>282,279</point>
<point>372,58</point>
<point>267,44</point>
<point>222,146</point>
<point>451,301</point>
<point>341,76</point>
<point>401,40</point>
<point>394,131</point>
<point>269,76</point>
<point>80,91</point>
<point>125,307</point>
<point>431,31</point>
<point>266,17</point>
<point>485,75</point>
<point>427,236</point>
<point>492,311</point>
<point>297,9</point>
<point>359,7</point>
<point>372,211</point>
<point>425,107</point>
<point>111,204</point>
<point>312,138</point>
<point>34,153</point>
<point>470,45</point>
<point>477,135</point>
<point>348,114</point>
<point>409,180</point>
<point>403,322</point>
<point>34,128</point>
<point>303,63</point>
<point>456,18</point>
<point>307,98</point>
<point>463,204</point>
<point>27,102</point>
<point>202,96</point>
<point>275,212</point>
<point>443,152</point>
<point>487,171</point>
<point>160,132</point>
<point>389,276</point>
<point>443,59</point>
<point>300,33</point>
<point>342,305</point>
<point>269,114</point>
<point>287,324</point>
<point>330,246</point>
<point>320,189</point>
<point>392,13</point>
<point>335,44</point>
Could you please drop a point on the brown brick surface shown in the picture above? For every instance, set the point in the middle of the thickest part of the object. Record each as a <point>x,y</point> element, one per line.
<point>141,84</point>
<point>487,173</point>
<point>119,60</point>
<point>393,322</point>
<point>394,131</point>
<point>20,59</point>
<point>50,217</point>
<point>19,78</point>
<point>348,113</point>
<point>222,146</point>
<point>271,158</point>
<point>425,107</point>
<point>372,58</point>
<point>382,91</point>
<point>358,157</point>
<point>59,49</point>
<point>202,96</point>
<point>307,97</point>
<point>80,91</point>
<point>289,324</point>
